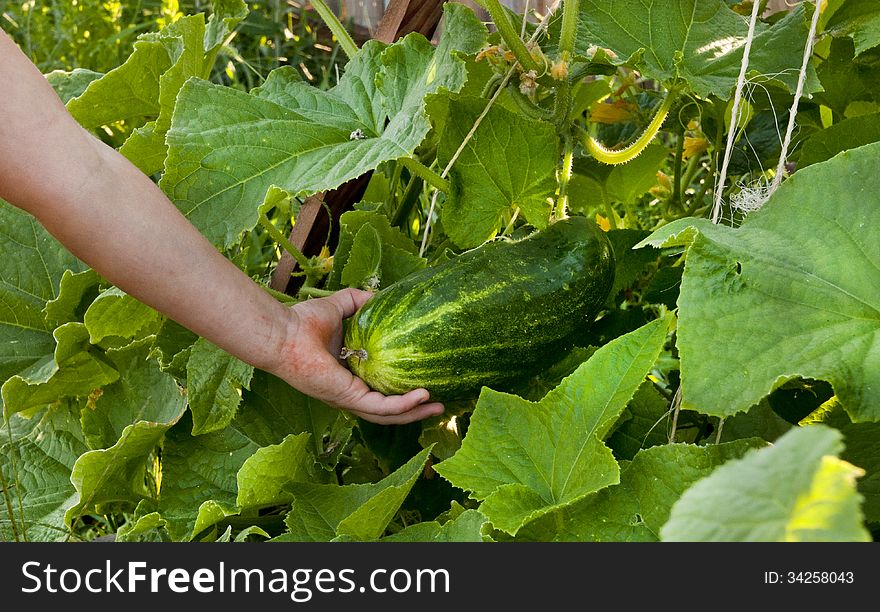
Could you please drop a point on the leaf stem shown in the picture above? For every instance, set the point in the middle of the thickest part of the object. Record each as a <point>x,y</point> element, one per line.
<point>4,485</point>
<point>510,36</point>
<point>527,107</point>
<point>679,156</point>
<point>621,156</point>
<point>315,292</point>
<point>282,240</point>
<point>345,40</point>
<point>426,174</point>
<point>278,295</point>
<point>410,197</point>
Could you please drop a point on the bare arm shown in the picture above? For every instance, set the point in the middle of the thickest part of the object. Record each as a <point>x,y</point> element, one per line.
<point>114,218</point>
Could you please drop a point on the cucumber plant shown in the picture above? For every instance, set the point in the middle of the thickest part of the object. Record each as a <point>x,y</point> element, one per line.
<point>605,119</point>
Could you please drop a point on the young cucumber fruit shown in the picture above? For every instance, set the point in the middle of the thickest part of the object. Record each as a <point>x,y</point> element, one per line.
<point>489,317</point>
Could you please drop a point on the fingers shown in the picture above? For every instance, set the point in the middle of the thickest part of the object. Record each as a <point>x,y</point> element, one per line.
<point>422,411</point>
<point>387,409</point>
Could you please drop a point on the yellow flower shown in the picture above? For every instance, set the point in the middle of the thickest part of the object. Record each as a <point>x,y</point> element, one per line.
<point>694,146</point>
<point>614,112</point>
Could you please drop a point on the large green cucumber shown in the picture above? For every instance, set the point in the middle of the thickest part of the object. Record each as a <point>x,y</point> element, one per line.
<point>489,317</point>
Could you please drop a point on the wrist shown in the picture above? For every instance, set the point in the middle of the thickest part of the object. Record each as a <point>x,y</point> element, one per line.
<point>279,348</point>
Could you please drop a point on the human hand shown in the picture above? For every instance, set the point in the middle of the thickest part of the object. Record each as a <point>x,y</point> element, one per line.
<point>308,362</point>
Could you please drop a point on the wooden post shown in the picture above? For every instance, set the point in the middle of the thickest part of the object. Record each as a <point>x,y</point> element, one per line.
<point>319,215</point>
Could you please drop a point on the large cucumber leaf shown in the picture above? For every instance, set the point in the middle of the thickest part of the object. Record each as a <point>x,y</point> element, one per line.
<point>508,164</point>
<point>525,459</point>
<point>638,507</point>
<point>37,461</point>
<point>226,147</point>
<point>700,41</point>
<point>31,268</point>
<point>323,512</point>
<point>796,490</point>
<point>793,292</point>
<point>143,90</point>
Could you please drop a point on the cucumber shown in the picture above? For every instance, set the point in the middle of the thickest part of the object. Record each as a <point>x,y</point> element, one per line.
<point>492,316</point>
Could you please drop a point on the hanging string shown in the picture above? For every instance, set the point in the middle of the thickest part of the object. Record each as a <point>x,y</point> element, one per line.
<point>752,198</point>
<point>734,114</point>
<point>802,77</point>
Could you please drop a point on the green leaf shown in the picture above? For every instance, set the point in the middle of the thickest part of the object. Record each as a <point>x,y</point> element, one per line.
<point>142,393</point>
<point>637,508</point>
<point>144,526</point>
<point>71,84</point>
<point>761,421</point>
<point>117,314</point>
<point>205,468</point>
<point>271,410</point>
<point>525,459</point>
<point>226,147</point>
<point>74,292</point>
<point>646,424</point>
<point>770,301</point>
<point>843,136</point>
<point>858,19</point>
<point>399,252</point>
<point>365,260</point>
<point>74,369</point>
<point>197,469</point>
<point>226,15</point>
<point>861,450</point>
<point>844,79</point>
<point>145,87</point>
<point>209,515</point>
<point>595,186</point>
<point>265,475</point>
<point>214,382</point>
<point>186,42</point>
<point>172,347</point>
<point>37,464</point>
<point>127,93</point>
<point>630,264</point>
<point>466,527</point>
<point>115,478</point>
<point>509,163</point>
<point>794,491</point>
<point>360,511</point>
<point>700,41</point>
<point>31,269</point>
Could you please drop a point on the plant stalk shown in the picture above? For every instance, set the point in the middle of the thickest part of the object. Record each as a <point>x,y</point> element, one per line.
<point>281,239</point>
<point>345,40</point>
<point>510,36</point>
<point>426,174</point>
<point>569,28</point>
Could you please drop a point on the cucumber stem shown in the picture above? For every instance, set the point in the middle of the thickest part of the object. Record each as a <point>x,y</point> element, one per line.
<point>315,292</point>
<point>349,47</point>
<point>278,237</point>
<point>278,295</point>
<point>426,174</point>
<point>510,36</point>
<point>621,156</point>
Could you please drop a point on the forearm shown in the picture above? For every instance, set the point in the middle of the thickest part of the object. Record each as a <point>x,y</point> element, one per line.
<point>122,225</point>
<point>114,218</point>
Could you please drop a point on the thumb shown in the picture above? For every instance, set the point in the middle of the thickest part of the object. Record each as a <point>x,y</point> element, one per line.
<point>348,301</point>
